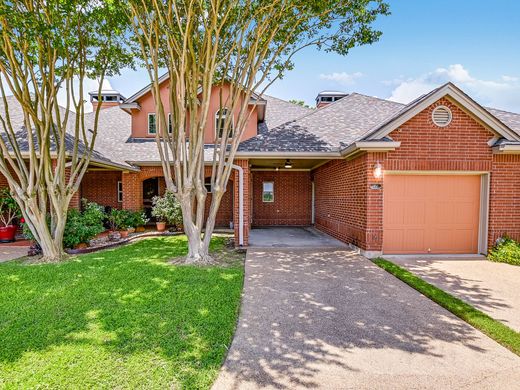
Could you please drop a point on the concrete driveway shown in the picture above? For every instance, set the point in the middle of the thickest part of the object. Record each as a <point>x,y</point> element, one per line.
<point>331,319</point>
<point>491,287</point>
<point>292,237</point>
<point>11,252</point>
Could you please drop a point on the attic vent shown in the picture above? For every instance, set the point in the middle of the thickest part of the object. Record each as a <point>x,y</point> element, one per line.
<point>441,116</point>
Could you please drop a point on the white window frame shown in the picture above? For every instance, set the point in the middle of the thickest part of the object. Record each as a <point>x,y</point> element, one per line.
<point>264,192</point>
<point>120,191</point>
<point>148,123</point>
<point>224,117</point>
<point>207,184</point>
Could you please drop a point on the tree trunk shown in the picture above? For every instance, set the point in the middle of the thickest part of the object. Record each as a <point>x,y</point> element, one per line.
<point>198,249</point>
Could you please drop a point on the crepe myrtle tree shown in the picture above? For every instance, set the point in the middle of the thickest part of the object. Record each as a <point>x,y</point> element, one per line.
<point>242,46</point>
<point>49,47</point>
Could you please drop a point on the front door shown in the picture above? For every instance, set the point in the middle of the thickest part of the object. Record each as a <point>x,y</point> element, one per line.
<point>150,189</point>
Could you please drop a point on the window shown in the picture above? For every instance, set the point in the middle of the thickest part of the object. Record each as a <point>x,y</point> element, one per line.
<point>152,128</point>
<point>220,120</point>
<point>119,191</point>
<point>267,192</point>
<point>207,184</point>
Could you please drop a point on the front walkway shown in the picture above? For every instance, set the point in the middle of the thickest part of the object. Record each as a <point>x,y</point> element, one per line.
<point>291,237</point>
<point>491,287</point>
<point>11,252</point>
<point>332,319</point>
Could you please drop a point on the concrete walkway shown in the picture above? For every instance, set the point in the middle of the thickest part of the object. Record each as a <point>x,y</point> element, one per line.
<point>331,319</point>
<point>10,252</point>
<point>491,287</point>
<point>292,237</point>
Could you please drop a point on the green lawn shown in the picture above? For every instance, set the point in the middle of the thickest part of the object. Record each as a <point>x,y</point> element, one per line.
<point>121,318</point>
<point>499,332</point>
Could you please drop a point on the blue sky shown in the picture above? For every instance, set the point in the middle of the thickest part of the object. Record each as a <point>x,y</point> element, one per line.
<point>475,44</point>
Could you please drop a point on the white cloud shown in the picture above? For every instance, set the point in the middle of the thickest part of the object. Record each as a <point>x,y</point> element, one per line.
<point>342,78</point>
<point>503,93</point>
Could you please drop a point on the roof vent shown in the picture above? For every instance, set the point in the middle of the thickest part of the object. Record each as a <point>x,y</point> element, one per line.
<point>441,116</point>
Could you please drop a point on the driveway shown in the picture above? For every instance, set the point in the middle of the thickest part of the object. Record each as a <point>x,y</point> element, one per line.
<point>491,287</point>
<point>331,319</point>
<point>10,252</point>
<point>292,237</point>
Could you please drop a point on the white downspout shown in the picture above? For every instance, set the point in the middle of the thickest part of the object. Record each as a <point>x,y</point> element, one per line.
<point>240,204</point>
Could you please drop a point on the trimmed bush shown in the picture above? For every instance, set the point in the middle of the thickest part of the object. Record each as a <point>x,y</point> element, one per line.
<point>507,251</point>
<point>167,209</point>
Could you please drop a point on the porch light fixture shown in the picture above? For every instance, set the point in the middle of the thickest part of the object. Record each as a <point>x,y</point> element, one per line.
<point>288,164</point>
<point>378,170</point>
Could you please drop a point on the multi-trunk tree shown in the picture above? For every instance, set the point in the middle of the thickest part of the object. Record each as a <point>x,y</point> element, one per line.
<point>242,46</point>
<point>48,47</point>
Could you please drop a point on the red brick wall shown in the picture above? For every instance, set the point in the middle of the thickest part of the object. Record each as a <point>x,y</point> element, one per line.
<point>292,199</point>
<point>133,193</point>
<point>341,199</point>
<point>225,211</point>
<point>460,146</point>
<point>349,209</point>
<point>101,187</point>
<point>504,202</point>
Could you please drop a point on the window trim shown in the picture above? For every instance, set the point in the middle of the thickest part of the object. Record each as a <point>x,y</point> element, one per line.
<point>264,192</point>
<point>207,183</point>
<point>119,191</point>
<point>148,123</point>
<point>218,116</point>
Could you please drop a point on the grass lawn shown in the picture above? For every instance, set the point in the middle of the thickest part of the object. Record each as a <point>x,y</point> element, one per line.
<point>499,332</point>
<point>121,318</point>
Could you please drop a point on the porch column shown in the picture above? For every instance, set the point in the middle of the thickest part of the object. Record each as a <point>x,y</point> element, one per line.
<point>246,182</point>
<point>132,191</point>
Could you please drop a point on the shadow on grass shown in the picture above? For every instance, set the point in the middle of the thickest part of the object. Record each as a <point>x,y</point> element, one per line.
<point>125,301</point>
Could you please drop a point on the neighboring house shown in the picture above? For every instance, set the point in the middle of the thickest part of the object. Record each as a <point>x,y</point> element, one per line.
<point>438,175</point>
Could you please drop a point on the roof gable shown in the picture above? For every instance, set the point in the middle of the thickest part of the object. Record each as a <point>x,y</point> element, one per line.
<point>455,94</point>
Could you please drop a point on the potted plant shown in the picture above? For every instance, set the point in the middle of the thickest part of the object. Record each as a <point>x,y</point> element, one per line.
<point>117,220</point>
<point>9,212</point>
<point>166,209</point>
<point>140,220</point>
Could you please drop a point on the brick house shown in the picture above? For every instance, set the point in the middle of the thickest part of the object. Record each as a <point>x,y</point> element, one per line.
<point>438,175</point>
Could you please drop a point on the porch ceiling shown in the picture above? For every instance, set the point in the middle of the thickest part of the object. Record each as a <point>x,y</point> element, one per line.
<point>279,163</point>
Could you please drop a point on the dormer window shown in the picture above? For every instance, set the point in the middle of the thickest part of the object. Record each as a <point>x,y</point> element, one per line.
<point>220,120</point>
<point>152,125</point>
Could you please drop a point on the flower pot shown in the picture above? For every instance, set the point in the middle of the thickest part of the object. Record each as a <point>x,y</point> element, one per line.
<point>131,230</point>
<point>161,226</point>
<point>123,233</point>
<point>140,229</point>
<point>8,233</point>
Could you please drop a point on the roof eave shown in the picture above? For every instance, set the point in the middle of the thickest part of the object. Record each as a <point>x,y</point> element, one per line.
<point>283,154</point>
<point>370,146</point>
<point>506,149</point>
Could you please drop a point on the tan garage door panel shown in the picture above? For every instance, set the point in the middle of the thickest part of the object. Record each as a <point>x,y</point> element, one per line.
<point>431,214</point>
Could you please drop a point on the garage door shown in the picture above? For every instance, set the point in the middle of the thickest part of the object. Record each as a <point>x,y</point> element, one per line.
<point>431,214</point>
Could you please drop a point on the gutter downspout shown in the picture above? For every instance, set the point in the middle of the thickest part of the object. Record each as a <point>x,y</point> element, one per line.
<point>240,203</point>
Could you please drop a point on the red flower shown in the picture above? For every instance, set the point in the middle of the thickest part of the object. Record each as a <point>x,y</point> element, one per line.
<point>22,220</point>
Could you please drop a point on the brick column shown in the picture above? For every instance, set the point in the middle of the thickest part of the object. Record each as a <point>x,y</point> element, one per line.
<point>374,213</point>
<point>244,164</point>
<point>132,191</point>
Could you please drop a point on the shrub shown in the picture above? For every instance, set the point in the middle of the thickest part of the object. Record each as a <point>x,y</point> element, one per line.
<point>118,219</point>
<point>506,250</point>
<point>167,209</point>
<point>9,209</point>
<point>80,227</point>
<point>136,219</point>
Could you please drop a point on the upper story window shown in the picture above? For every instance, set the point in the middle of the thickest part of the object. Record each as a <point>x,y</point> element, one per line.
<point>152,125</point>
<point>220,120</point>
